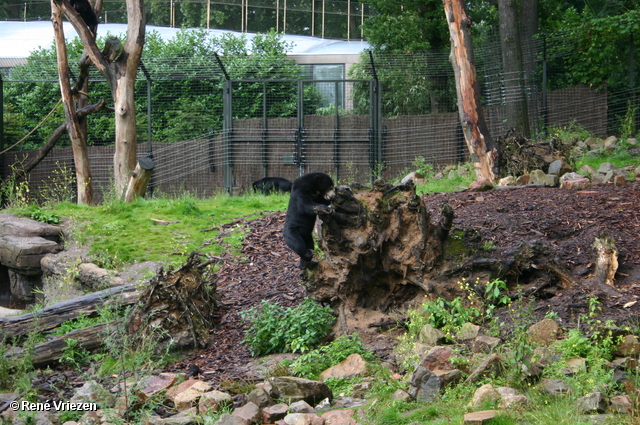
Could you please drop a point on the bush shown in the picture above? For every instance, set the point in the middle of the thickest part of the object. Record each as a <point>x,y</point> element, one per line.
<point>277,329</point>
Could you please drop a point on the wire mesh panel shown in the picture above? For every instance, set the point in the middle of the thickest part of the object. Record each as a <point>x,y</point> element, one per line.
<point>287,128</point>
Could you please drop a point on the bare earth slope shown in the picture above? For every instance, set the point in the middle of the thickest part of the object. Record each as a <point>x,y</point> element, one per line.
<point>566,222</point>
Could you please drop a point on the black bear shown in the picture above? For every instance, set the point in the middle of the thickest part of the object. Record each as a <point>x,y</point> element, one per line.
<point>311,194</point>
<point>86,12</point>
<point>272,184</point>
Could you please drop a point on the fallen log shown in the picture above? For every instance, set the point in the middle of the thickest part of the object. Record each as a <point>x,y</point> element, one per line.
<point>53,315</point>
<point>47,352</point>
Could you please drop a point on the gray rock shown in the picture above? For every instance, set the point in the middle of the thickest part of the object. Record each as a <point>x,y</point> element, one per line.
<point>250,412</point>
<point>484,395</point>
<point>24,227</point>
<point>290,389</point>
<point>485,344</point>
<point>187,417</point>
<point>227,419</point>
<point>301,407</point>
<point>260,397</point>
<point>605,167</point>
<point>555,387</point>
<point>570,176</point>
<point>96,277</point>
<point>22,285</point>
<point>431,336</point>
<point>592,403</point>
<point>24,253</point>
<point>424,385</point>
<point>559,167</point>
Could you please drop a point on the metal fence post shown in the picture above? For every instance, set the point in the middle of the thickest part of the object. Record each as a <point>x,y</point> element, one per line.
<point>265,123</point>
<point>227,139</point>
<point>300,130</point>
<point>375,142</point>
<point>544,83</point>
<point>1,126</point>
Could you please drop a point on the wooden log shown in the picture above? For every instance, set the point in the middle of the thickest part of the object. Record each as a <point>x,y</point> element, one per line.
<point>53,315</point>
<point>47,352</point>
<point>139,179</point>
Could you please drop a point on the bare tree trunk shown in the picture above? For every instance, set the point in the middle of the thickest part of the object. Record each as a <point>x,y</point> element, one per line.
<point>119,66</point>
<point>78,142</point>
<point>481,146</point>
<point>529,26</point>
<point>513,72</point>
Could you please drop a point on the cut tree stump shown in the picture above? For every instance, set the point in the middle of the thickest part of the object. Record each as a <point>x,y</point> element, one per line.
<point>380,248</point>
<point>139,179</point>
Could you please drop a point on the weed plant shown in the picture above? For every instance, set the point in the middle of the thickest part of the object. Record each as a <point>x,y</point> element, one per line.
<point>276,329</point>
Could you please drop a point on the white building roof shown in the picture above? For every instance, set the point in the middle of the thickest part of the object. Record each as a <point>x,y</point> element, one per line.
<point>19,39</point>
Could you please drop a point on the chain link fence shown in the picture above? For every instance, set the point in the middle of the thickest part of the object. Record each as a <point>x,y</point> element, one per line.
<point>283,112</point>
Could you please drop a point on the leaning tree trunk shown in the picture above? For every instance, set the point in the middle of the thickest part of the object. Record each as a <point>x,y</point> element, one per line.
<point>481,146</point>
<point>74,128</point>
<point>380,248</point>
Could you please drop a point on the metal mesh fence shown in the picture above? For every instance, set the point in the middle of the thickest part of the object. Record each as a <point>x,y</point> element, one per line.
<point>181,113</point>
<point>338,19</point>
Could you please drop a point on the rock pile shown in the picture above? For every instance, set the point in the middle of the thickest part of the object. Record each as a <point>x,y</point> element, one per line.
<point>23,244</point>
<point>287,400</point>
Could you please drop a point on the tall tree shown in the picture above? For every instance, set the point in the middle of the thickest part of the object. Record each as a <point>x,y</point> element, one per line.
<point>412,26</point>
<point>479,141</point>
<point>119,65</point>
<point>513,70</point>
<point>74,128</point>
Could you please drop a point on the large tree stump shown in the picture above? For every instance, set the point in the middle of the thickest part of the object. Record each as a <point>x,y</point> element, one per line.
<point>177,307</point>
<point>380,248</point>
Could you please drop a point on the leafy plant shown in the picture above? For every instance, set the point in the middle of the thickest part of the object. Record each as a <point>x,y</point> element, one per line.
<point>496,295</point>
<point>44,215</point>
<point>276,329</point>
<point>74,354</point>
<point>310,365</point>
<point>449,316</point>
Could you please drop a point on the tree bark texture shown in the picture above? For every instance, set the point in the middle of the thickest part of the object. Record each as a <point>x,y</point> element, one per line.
<point>512,66</point>
<point>476,133</point>
<point>380,248</point>
<point>77,136</point>
<point>53,315</point>
<point>47,352</point>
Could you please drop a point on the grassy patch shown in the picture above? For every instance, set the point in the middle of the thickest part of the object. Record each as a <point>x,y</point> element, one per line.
<point>122,233</point>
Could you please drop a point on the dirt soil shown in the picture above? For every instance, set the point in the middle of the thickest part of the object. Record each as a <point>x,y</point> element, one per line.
<point>565,222</point>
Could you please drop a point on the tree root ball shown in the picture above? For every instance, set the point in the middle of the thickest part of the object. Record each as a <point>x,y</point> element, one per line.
<point>379,248</point>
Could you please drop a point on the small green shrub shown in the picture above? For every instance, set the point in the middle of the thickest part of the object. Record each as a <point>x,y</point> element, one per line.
<point>313,363</point>
<point>449,316</point>
<point>276,329</point>
<point>44,215</point>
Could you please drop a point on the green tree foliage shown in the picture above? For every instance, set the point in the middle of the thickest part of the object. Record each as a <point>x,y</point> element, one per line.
<point>186,87</point>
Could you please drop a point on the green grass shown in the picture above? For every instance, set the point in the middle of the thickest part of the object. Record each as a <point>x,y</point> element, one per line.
<point>446,184</point>
<point>123,233</point>
<point>620,160</point>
